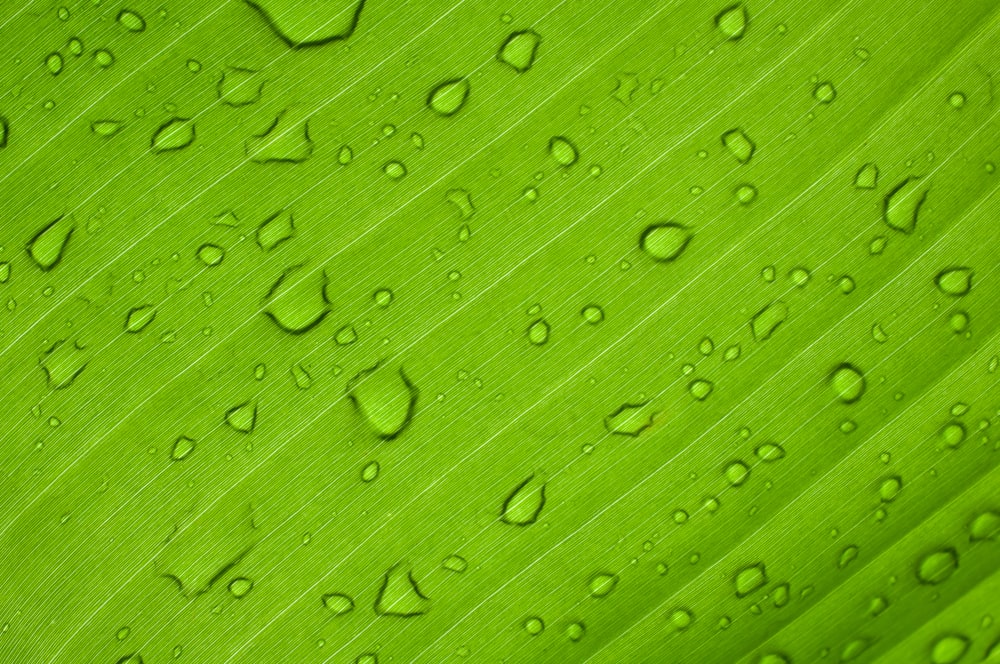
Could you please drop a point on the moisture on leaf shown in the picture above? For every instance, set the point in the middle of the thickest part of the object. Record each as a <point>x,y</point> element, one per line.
<point>47,247</point>
<point>524,503</point>
<point>296,302</point>
<point>449,97</point>
<point>239,86</point>
<point>630,419</point>
<point>175,134</point>
<point>385,398</point>
<point>519,50</point>
<point>302,23</point>
<point>286,140</point>
<point>399,595</point>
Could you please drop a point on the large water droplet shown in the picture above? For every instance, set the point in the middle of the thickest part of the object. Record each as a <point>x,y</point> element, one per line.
<point>240,587</point>
<point>984,526</point>
<point>665,241</point>
<point>766,321</point>
<point>240,87</point>
<point>182,449</point>
<point>848,382</point>
<point>866,177</point>
<point>242,417</point>
<point>889,488</point>
<point>301,23</point>
<point>175,134</point>
<point>285,141</point>
<point>770,452</point>
<point>297,303</point>
<point>630,419</point>
<point>602,584</point>
<point>739,145</point>
<point>519,50</point>
<point>937,566</point>
<point>563,151</point>
<point>63,362</point>
<point>681,619</point>
<point>211,254</point>
<point>732,21</point>
<point>400,596</point>
<point>449,97</point>
<point>138,318</point>
<point>385,397</point>
<point>462,200</point>
<point>700,388</point>
<point>131,21</point>
<point>338,604</point>
<point>949,648</point>
<point>524,503</point>
<point>954,281</point>
<point>274,230</point>
<point>105,127</point>
<point>737,472</point>
<point>54,62</point>
<point>750,578</point>
<point>538,332</point>
<point>901,206</point>
<point>48,245</point>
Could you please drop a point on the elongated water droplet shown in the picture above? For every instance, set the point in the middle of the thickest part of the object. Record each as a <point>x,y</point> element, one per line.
<point>242,417</point>
<point>105,127</point>
<point>239,87</point>
<point>338,604</point>
<point>296,303</point>
<point>732,21</point>
<point>104,58</point>
<point>700,388</point>
<point>63,362</point>
<point>370,472</point>
<point>901,206</point>
<point>890,487</point>
<point>781,595</point>
<point>854,649</point>
<point>937,566</point>
<point>592,314</point>
<point>767,320</point>
<point>848,382</point>
<point>449,97</point>
<point>385,398</point>
<point>396,170</point>
<point>954,281</point>
<point>183,447</point>
<point>739,145</point>
<point>575,631</point>
<point>847,556</point>
<point>276,229</point>
<point>630,419</point>
<point>563,151</point>
<point>462,200</point>
<point>287,141</point>
<point>240,587</point>
<point>524,503</point>
<point>54,62</point>
<point>602,584</point>
<point>175,134</point>
<point>138,318</point>
<point>131,20</point>
<point>985,526</point>
<point>400,596</point>
<point>750,578</point>
<point>455,563</point>
<point>519,50</point>
<point>949,648</point>
<point>312,23</point>
<point>774,658</point>
<point>665,241</point>
<point>48,245</point>
<point>866,177</point>
<point>770,452</point>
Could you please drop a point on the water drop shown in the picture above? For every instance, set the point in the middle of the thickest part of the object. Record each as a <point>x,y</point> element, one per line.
<point>524,503</point>
<point>630,419</point>
<point>739,145</point>
<point>665,241</point>
<point>48,245</point>
<point>681,619</point>
<point>592,314</point>
<point>123,633</point>
<point>338,604</point>
<point>131,20</point>
<point>732,21</point>
<point>602,584</point>
<point>878,334</point>
<point>854,649</point>
<point>346,335</point>
<point>846,285</point>
<point>449,97</point>
<point>866,177</point>
<point>563,151</point>
<point>949,648</point>
<point>937,566</point>
<point>396,170</point>
<point>286,140</point>
<point>954,281</point>
<point>301,376</point>
<point>519,50</point>
<point>737,473</point>
<point>211,254</point>
<point>575,631</point>
<point>383,297</point>
<point>534,625</point>
<point>105,127</point>
<point>824,92</point>
<point>174,134</point>
<point>956,99</point>
<point>538,332</point>
<point>54,62</point>
<point>139,317</point>
<point>952,435</point>
<point>345,156</point>
<point>770,452</point>
<point>746,194</point>
<point>700,388</point>
<point>104,58</point>
<point>848,382</point>
<point>889,488</point>
<point>400,596</point>
<point>182,448</point>
<point>239,86</point>
<point>193,66</point>
<point>984,526</point>
<point>750,578</point>
<point>847,556</point>
<point>706,346</point>
<point>455,563</point>
<point>781,595</point>
<point>240,586</point>
<point>4,272</point>
<point>462,200</point>
<point>767,320</point>
<point>385,398</point>
<point>305,24</point>
<point>774,658</point>
<point>901,206</point>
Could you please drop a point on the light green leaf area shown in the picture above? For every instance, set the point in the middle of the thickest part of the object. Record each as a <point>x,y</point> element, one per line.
<point>456,330</point>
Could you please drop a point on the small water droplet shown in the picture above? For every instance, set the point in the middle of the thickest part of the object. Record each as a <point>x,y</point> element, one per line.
<point>846,285</point>
<point>954,281</point>
<point>630,419</point>
<point>985,526</point>
<point>739,145</point>
<point>737,473</point>
<point>394,169</point>
<point>183,447</point>
<point>345,156</point>
<point>239,86</point>
<point>524,503</point>
<point>937,566</point>
<point>681,619</point>
<point>449,97</point>
<point>767,320</point>
<point>175,134</point>
<point>878,334</point>
<point>575,631</point>
<point>104,58</point>
<point>700,388</point>
<point>400,596</point>
<point>957,100</point>
<point>746,194</point>
<point>799,276</point>
<point>889,488</point>
<point>901,206</point>
<point>131,20</point>
<point>455,563</point>
<point>770,452</point>
<point>383,297</point>
<point>665,241</point>
<point>48,245</point>
<point>563,151</point>
<point>339,604</point>
<point>866,177</point>
<point>592,314</point>
<point>732,21</point>
<point>848,382</point>
<point>538,332</point>
<point>602,584</point>
<point>534,625</point>
<point>952,435</point>
<point>240,586</point>
<point>242,417</point>
<point>211,254</point>
<point>519,50</point>
<point>54,62</point>
<point>139,317</point>
<point>824,92</point>
<point>750,578</point>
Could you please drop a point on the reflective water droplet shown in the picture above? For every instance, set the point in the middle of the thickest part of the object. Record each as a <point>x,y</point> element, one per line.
<point>848,382</point>
<point>592,313</point>
<point>538,332</point>
<point>338,604</point>
<point>182,448</point>
<point>774,658</point>
<point>370,472</point>
<point>287,141</point>
<point>750,578</point>
<point>799,276</point>
<point>301,376</point>
<point>105,127</point>
<point>847,556</point>
<point>769,452</point>
<point>746,194</point>
<point>366,658</point>
<point>462,200</point>
<point>824,92</point>
<point>304,24</point>
<point>984,526</point>
<point>706,346</point>
<point>901,206</point>
<point>464,233</point>
<point>211,254</point>
<point>62,363</point>
<point>739,145</point>
<point>954,281</point>
<point>139,317</point>
<point>534,625</point>
<point>174,134</point>
<point>394,169</point>
<point>400,596</point>
<point>131,658</point>
<point>524,503</point>
<point>781,595</point>
<point>937,566</point>
<point>131,20</point>
<point>700,388</point>
<point>732,21</point>
<point>737,473</point>
<point>949,648</point>
<point>846,285</point>
<point>630,419</point>
<point>54,62</point>
<point>853,649</point>
<point>767,320</point>
<point>878,334</point>
<point>681,619</point>
<point>383,297</point>
<point>4,272</point>
<point>455,563</point>
<point>563,151</point>
<point>123,633</point>
<point>665,241</point>
<point>732,353</point>
<point>956,99</point>
<point>240,586</point>
<point>4,131</point>
<point>242,417</point>
<point>417,140</point>
<point>104,58</point>
<point>602,584</point>
<point>519,50</point>
<point>193,66</point>
<point>274,230</point>
<point>48,245</point>
<point>297,303</point>
<point>890,487</point>
<point>877,605</point>
<point>346,335</point>
<point>385,398</point>
<point>345,156</point>
<point>680,517</point>
<point>575,631</point>
<point>952,435</point>
<point>959,322</point>
<point>449,97</point>
<point>63,13</point>
<point>866,177</point>
<point>239,86</point>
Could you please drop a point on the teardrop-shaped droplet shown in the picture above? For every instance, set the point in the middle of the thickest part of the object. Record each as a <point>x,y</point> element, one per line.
<point>182,449</point>
<point>138,318</point>
<point>242,417</point>
<point>937,566</point>
<point>524,503</point>
<point>385,398</point>
<point>174,134</point>
<point>665,241</point>
<point>603,584</point>
<point>538,332</point>
<point>750,578</point>
<point>732,21</point>
<point>338,604</point>
<point>48,245</point>
<point>901,206</point>
<point>954,281</point>
<point>131,20</point>
<point>985,526</point>
<point>866,177</point>
<point>400,596</point>
<point>449,97</point>
<point>519,50</point>
<point>563,151</point>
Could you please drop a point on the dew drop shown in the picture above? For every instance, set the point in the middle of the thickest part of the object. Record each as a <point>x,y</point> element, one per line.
<point>396,170</point>
<point>732,21</point>
<point>240,586</point>
<point>901,206</point>
<point>383,297</point>
<point>949,648</point>
<point>956,99</point>
<point>138,318</point>
<point>286,141</point>
<point>746,194</point>
<point>985,526</point>
<point>305,24</point>
<point>239,86</point>
<point>750,578</point>
<point>54,62</point>
<point>455,563</point>
<point>630,419</point>
<point>105,127</point>
<point>242,417</point>
<point>848,383</point>
<point>575,631</point>
<point>889,488</point>
<point>847,556</point>
<point>104,58</point>
<point>592,314</point>
<point>400,596</point>
<point>937,566</point>
<point>767,320</point>
<point>700,388</point>
<point>449,97</point>
<point>866,177</point>
<point>602,584</point>
<point>681,619</point>
<point>48,245</point>
<point>174,134</point>
<point>824,92</point>
<point>563,151</point>
<point>519,49</point>
<point>665,241</point>
<point>524,503</point>
<point>183,447</point>
<point>538,332</point>
<point>954,281</point>
<point>737,473</point>
<point>338,604</point>
<point>211,254</point>
<point>385,398</point>
<point>770,452</point>
<point>534,625</point>
<point>739,145</point>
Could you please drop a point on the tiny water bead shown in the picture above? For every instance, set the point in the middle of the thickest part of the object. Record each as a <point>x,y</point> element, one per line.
<point>534,625</point>
<point>824,92</point>
<point>395,170</point>
<point>592,314</point>
<point>956,100</point>
<point>602,584</point>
